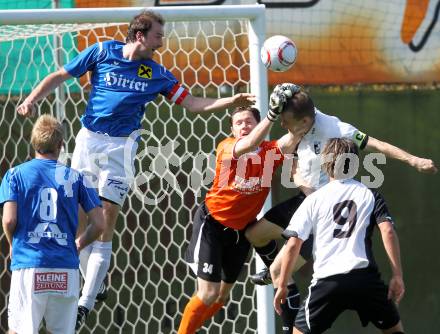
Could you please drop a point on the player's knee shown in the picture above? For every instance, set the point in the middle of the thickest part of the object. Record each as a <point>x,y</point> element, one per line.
<point>110,212</point>
<point>249,234</point>
<point>209,295</point>
<point>254,236</point>
<point>223,298</point>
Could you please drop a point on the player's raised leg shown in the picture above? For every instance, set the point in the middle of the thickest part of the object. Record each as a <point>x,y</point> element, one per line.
<point>262,235</point>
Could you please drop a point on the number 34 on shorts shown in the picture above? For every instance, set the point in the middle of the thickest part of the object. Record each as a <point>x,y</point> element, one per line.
<point>207,268</point>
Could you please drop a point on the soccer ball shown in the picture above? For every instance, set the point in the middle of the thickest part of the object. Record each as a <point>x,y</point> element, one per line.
<point>278,53</point>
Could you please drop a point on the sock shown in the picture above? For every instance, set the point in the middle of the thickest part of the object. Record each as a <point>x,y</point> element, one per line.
<point>290,308</point>
<point>97,267</point>
<point>84,259</point>
<point>268,252</point>
<point>209,313</point>
<point>192,316</point>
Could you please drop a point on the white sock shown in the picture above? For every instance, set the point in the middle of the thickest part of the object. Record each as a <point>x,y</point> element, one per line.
<point>97,267</point>
<point>84,259</point>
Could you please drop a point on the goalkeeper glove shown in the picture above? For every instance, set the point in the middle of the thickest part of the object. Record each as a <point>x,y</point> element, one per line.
<point>289,89</point>
<point>276,103</point>
<point>279,97</point>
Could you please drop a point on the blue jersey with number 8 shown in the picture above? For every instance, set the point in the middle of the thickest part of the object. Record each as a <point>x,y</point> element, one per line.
<point>47,194</point>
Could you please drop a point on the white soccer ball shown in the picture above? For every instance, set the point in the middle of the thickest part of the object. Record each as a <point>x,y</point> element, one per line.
<point>278,53</point>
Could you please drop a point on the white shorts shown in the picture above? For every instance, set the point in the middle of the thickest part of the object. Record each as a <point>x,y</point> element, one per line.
<point>106,162</point>
<point>48,293</point>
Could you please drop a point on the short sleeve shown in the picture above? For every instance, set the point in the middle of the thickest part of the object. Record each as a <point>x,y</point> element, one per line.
<point>350,132</point>
<point>88,197</point>
<point>301,223</point>
<point>84,62</point>
<point>380,210</point>
<point>8,187</point>
<point>226,149</point>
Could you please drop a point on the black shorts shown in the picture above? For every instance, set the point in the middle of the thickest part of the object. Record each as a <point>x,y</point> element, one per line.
<point>216,253</point>
<point>361,290</point>
<point>282,213</point>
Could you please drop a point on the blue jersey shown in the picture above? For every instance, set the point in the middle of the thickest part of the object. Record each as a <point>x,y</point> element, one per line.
<point>47,196</point>
<point>121,88</point>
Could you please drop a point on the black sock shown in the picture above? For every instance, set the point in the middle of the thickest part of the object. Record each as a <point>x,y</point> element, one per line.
<point>290,308</point>
<point>268,252</point>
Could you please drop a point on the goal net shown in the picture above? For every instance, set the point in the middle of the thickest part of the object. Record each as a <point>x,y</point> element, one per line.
<point>149,284</point>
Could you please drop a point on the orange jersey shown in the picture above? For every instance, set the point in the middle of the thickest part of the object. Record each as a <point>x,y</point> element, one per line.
<point>241,185</point>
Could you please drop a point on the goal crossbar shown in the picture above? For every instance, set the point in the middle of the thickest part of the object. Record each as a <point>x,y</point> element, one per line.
<point>125,14</point>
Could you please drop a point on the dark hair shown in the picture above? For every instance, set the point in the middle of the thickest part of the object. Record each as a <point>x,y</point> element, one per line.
<point>300,105</point>
<point>332,152</point>
<point>255,112</point>
<point>143,22</point>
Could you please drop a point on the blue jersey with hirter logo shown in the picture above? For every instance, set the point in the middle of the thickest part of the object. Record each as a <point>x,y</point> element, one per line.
<point>121,88</point>
<point>47,195</point>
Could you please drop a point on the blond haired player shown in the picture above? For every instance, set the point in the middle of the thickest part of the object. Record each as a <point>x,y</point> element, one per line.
<point>40,218</point>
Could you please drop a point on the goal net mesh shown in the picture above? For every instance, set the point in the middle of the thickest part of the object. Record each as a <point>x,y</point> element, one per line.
<point>149,284</point>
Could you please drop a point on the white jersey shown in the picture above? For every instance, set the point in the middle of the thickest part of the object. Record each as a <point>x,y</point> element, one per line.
<point>311,145</point>
<point>341,216</point>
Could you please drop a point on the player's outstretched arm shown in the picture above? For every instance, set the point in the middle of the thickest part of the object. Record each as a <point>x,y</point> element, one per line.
<point>391,151</point>
<point>251,142</point>
<point>390,240</point>
<point>208,105</point>
<point>44,88</point>
<point>288,261</point>
<point>93,230</point>
<point>9,220</point>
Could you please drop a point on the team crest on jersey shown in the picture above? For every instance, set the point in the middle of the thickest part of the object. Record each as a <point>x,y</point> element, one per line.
<point>317,147</point>
<point>145,71</point>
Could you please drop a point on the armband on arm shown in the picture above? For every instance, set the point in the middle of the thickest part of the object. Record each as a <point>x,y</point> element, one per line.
<point>360,139</point>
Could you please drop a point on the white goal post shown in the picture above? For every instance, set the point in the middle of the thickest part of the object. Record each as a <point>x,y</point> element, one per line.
<point>213,51</point>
